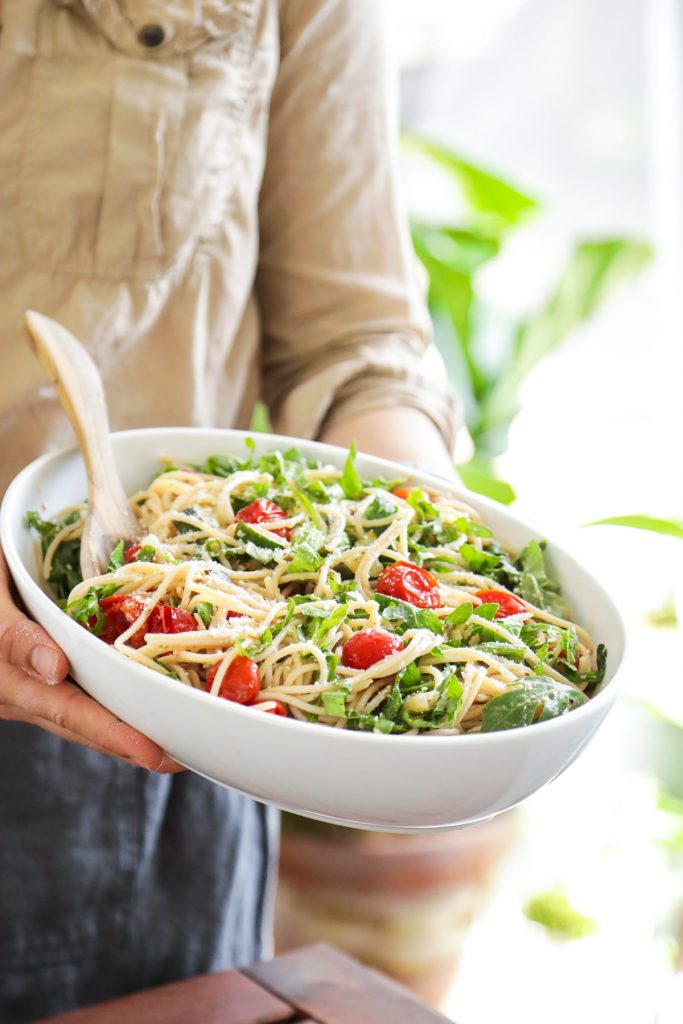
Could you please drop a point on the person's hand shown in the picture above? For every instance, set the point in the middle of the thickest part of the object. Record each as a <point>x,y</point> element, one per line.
<point>34,689</point>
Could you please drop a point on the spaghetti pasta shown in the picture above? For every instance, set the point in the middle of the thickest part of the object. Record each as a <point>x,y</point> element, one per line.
<point>358,604</point>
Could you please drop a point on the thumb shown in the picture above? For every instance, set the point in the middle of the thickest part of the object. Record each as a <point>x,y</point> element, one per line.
<point>25,644</point>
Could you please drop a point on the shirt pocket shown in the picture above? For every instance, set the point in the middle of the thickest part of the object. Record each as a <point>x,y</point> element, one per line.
<point>130,154</point>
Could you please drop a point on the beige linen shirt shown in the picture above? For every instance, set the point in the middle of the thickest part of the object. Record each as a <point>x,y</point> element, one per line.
<point>205,194</point>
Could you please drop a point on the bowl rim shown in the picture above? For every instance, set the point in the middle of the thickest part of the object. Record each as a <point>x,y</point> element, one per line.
<point>37,467</point>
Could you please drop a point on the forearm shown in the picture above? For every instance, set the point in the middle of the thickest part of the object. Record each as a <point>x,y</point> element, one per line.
<point>400,433</point>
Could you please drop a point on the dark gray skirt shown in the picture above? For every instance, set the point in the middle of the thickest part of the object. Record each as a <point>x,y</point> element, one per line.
<point>113,879</point>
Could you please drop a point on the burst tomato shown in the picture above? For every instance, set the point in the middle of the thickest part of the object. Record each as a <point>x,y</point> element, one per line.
<point>402,492</point>
<point>409,583</point>
<point>368,647</point>
<point>121,611</point>
<point>241,682</point>
<point>508,604</point>
<point>264,512</point>
<point>132,553</point>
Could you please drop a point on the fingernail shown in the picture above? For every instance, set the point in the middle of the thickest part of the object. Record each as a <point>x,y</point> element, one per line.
<point>44,661</point>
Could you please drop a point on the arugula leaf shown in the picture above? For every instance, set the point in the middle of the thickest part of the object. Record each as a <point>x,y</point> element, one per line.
<point>471,528</point>
<point>350,481</point>
<point>409,679</point>
<point>406,616</point>
<point>449,702</point>
<point>535,585</point>
<point>147,553</point>
<point>226,465</point>
<point>595,677</point>
<point>487,611</point>
<point>479,561</point>
<point>331,620</point>
<point>502,650</point>
<point>204,609</point>
<point>460,614</point>
<point>87,609</point>
<point>305,548</point>
<point>424,510</point>
<point>531,700</point>
<point>380,508</point>
<point>391,708</point>
<point>116,560</point>
<point>307,505</point>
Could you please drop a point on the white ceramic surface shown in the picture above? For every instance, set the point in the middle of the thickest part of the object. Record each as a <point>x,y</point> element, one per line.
<point>392,783</point>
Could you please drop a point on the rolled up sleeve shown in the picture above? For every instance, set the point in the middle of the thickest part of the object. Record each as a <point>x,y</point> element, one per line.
<point>345,329</point>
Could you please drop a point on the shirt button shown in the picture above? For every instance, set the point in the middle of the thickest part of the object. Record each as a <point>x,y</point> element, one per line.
<point>151,36</point>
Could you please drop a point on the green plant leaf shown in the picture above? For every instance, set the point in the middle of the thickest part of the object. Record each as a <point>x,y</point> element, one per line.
<point>595,270</point>
<point>482,483</point>
<point>669,527</point>
<point>555,913</point>
<point>529,701</point>
<point>493,200</point>
<point>260,421</point>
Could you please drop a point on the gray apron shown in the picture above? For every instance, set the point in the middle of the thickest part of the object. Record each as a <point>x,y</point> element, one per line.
<point>113,879</point>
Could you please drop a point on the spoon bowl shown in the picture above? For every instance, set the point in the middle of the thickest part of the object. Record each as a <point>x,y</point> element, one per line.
<point>79,387</point>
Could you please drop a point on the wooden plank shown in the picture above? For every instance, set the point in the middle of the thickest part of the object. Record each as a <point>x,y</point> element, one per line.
<point>226,998</point>
<point>334,989</point>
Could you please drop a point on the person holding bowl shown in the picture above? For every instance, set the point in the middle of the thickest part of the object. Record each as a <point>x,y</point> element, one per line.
<point>205,193</point>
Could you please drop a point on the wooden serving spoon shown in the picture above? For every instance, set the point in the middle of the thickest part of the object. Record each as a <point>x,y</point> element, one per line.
<point>80,391</point>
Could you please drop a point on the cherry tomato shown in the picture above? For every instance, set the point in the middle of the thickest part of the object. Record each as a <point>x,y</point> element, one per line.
<point>241,682</point>
<point>131,554</point>
<point>409,583</point>
<point>121,611</point>
<point>508,604</point>
<point>368,647</point>
<point>277,708</point>
<point>266,512</point>
<point>402,492</point>
<point>165,619</point>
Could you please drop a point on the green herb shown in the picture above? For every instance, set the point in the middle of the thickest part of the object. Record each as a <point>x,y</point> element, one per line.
<point>553,910</point>
<point>87,609</point>
<point>307,505</point>
<point>409,679</point>
<point>471,528</point>
<point>404,616</point>
<point>226,465</point>
<point>391,708</point>
<point>305,548</point>
<point>529,701</point>
<point>592,679</point>
<point>117,557</point>
<point>479,561</point>
<point>460,614</point>
<point>487,611</point>
<point>503,650</point>
<point>334,702</point>
<point>204,609</point>
<point>350,481</point>
<point>380,508</point>
<point>535,585</point>
<point>424,510</point>
<point>449,702</point>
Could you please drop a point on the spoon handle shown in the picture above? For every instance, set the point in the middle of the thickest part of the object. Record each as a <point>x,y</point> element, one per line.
<point>80,391</point>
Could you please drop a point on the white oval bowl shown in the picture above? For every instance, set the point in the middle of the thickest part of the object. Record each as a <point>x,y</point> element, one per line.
<point>391,783</point>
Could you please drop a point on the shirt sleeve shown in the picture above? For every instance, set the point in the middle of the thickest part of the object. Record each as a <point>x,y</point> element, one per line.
<point>345,329</point>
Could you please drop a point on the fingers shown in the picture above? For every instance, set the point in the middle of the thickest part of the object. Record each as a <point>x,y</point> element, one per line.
<point>66,711</point>
<point>25,644</point>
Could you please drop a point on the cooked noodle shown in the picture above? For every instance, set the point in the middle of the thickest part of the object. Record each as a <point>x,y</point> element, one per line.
<point>290,594</point>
